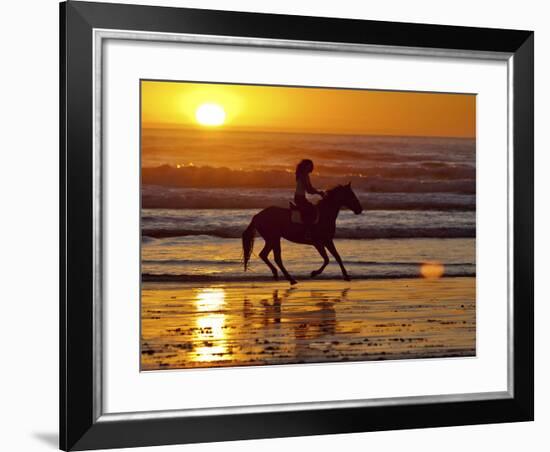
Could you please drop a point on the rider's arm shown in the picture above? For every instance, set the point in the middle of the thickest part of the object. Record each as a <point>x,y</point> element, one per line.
<point>310,188</point>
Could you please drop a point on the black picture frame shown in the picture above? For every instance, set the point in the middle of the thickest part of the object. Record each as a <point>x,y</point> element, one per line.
<point>80,426</point>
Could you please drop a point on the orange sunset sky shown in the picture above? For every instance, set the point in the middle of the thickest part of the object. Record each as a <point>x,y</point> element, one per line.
<point>318,110</point>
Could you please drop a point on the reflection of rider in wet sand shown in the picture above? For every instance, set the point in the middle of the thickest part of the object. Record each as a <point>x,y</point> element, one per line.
<point>303,186</point>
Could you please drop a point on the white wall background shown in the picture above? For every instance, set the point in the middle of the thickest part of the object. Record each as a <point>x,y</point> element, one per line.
<point>29,223</point>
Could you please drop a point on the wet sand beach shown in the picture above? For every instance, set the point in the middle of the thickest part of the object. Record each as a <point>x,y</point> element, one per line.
<point>189,325</point>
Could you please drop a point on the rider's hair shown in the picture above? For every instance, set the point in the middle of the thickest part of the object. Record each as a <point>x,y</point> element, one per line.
<point>301,167</point>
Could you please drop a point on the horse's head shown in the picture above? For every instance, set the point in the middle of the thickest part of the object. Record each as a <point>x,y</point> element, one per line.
<point>345,197</point>
<point>351,201</point>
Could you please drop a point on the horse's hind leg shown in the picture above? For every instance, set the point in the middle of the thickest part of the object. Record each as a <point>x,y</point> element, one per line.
<point>279,261</point>
<point>264,254</point>
<point>323,253</point>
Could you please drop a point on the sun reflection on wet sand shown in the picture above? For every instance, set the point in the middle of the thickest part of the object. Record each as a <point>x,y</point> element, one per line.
<point>210,299</point>
<point>209,332</point>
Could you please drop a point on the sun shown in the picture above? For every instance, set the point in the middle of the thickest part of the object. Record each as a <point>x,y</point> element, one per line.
<point>210,114</point>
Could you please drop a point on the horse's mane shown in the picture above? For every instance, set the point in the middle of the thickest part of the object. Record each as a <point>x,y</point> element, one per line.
<point>334,189</point>
<point>330,193</point>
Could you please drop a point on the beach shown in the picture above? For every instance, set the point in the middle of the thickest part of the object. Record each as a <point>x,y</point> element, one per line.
<point>247,323</point>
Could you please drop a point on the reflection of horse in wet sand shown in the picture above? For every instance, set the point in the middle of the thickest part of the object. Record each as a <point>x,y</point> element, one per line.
<point>275,223</point>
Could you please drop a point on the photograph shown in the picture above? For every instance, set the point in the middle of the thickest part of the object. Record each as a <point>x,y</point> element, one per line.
<point>284,223</point>
<point>294,225</point>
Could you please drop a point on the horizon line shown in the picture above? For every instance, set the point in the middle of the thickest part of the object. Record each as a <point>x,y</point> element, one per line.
<point>171,126</point>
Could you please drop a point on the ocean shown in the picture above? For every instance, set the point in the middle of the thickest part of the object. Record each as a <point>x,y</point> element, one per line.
<point>201,189</point>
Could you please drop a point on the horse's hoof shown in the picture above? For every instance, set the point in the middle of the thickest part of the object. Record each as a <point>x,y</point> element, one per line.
<point>293,281</point>
<point>347,278</point>
<point>314,274</point>
<point>276,277</point>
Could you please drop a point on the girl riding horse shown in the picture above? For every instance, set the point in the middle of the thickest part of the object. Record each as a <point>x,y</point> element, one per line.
<point>303,185</point>
<point>274,223</point>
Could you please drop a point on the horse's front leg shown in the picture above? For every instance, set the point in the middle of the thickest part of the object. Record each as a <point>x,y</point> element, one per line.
<point>323,253</point>
<point>330,246</point>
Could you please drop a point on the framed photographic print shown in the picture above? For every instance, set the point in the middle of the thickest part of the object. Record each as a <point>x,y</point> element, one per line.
<point>282,225</point>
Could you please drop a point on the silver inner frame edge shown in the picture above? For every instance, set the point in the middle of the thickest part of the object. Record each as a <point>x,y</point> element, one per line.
<point>99,35</point>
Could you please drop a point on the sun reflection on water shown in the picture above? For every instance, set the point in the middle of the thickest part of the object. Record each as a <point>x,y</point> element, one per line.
<point>209,334</point>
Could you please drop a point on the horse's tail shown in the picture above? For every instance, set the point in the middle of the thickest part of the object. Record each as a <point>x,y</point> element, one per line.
<point>248,242</point>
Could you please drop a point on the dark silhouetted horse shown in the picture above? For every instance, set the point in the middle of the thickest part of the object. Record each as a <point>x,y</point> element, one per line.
<point>275,223</point>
